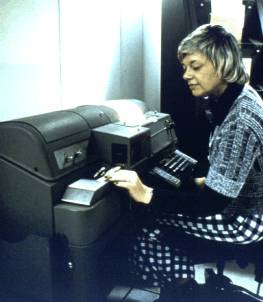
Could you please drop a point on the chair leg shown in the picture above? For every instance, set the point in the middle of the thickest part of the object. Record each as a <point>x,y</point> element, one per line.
<point>258,289</point>
<point>220,265</point>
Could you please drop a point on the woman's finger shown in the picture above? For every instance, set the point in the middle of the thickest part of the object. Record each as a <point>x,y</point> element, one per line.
<point>110,172</point>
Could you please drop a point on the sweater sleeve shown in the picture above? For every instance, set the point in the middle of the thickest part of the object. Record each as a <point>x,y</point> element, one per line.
<point>233,152</point>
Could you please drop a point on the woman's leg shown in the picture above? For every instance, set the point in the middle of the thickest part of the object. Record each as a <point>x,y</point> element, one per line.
<point>161,252</point>
<point>156,261</point>
<point>241,230</point>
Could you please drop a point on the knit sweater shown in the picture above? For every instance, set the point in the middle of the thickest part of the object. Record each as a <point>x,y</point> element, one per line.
<point>236,155</point>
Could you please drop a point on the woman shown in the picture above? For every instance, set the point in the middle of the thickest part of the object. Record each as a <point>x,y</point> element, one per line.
<point>229,203</point>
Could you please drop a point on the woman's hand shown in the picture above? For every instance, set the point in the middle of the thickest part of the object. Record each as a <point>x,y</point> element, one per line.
<point>130,180</point>
<point>200,182</point>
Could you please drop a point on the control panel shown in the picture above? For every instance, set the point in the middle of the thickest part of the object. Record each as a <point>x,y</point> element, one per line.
<point>71,155</point>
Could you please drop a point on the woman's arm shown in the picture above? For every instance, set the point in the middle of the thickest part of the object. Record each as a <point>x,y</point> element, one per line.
<point>201,201</point>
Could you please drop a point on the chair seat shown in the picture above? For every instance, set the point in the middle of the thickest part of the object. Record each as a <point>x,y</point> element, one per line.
<point>242,254</point>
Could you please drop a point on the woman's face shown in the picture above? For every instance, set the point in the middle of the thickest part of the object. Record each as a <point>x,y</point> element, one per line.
<point>201,76</point>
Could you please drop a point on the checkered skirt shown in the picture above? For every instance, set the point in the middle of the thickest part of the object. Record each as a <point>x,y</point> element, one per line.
<point>158,262</point>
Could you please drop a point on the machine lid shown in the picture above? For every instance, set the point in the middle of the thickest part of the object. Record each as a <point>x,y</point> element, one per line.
<point>56,125</point>
<point>96,115</point>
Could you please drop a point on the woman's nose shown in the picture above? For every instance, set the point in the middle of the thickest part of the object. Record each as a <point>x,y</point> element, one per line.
<point>187,74</point>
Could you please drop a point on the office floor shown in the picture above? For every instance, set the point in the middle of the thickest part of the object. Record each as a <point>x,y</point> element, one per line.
<point>241,277</point>
<point>124,293</point>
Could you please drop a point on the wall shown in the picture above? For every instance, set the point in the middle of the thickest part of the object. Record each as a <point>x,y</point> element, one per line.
<point>152,53</point>
<point>61,54</point>
<point>29,58</point>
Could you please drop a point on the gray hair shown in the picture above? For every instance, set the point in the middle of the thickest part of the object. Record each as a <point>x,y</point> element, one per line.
<point>220,47</point>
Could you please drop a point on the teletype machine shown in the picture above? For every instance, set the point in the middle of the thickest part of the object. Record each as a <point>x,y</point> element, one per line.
<point>56,218</point>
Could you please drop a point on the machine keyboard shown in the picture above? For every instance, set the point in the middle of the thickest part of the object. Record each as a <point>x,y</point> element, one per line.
<point>174,168</point>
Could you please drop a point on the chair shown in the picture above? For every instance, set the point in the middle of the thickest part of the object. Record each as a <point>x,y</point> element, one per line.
<point>243,255</point>
<point>252,254</point>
